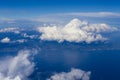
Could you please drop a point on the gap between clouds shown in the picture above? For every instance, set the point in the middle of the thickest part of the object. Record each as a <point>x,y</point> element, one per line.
<point>75,31</point>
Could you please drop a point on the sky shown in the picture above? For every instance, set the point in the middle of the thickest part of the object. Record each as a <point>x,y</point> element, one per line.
<point>35,8</point>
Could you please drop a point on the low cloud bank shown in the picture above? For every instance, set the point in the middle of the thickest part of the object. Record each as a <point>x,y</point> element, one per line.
<point>74,74</point>
<point>10,29</point>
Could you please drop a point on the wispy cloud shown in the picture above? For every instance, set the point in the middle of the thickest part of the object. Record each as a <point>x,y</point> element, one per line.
<point>16,68</point>
<point>7,20</point>
<point>61,17</point>
<point>91,14</point>
<point>10,29</point>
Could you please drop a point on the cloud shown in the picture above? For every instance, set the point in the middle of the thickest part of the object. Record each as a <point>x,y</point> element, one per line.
<point>63,17</point>
<point>91,14</point>
<point>75,31</point>
<point>21,40</point>
<point>97,28</point>
<point>16,68</point>
<point>29,36</point>
<point>10,29</point>
<point>5,40</point>
<point>7,20</point>
<point>74,74</point>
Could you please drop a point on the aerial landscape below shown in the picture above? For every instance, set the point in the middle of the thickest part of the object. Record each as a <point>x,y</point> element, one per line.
<point>59,40</point>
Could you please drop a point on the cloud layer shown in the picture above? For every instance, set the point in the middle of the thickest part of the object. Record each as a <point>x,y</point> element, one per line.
<point>92,14</point>
<point>16,68</point>
<point>75,31</point>
<point>74,74</point>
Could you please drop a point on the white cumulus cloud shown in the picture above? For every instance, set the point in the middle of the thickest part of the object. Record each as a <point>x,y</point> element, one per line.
<point>5,40</point>
<point>16,68</point>
<point>74,74</point>
<point>75,31</point>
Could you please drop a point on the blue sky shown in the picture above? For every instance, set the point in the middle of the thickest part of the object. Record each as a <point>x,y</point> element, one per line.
<point>34,8</point>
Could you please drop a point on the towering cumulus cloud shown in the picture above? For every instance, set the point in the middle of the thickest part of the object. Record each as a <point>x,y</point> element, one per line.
<point>75,31</point>
<point>16,68</point>
<point>74,74</point>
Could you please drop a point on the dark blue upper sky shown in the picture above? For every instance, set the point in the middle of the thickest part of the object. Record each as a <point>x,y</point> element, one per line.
<point>34,8</point>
